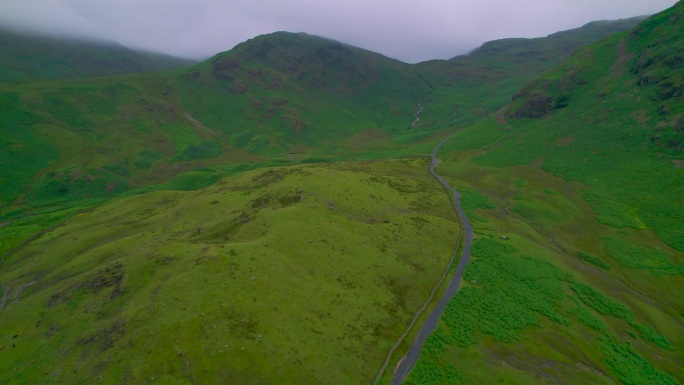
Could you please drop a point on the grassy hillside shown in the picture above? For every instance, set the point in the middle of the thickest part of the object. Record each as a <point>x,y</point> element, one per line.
<point>575,190</point>
<point>267,98</point>
<point>297,90</point>
<point>284,97</point>
<point>243,282</point>
<point>166,227</point>
<point>468,88</point>
<point>30,57</point>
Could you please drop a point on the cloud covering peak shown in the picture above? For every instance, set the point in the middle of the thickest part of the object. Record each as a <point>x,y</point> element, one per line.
<point>407,30</point>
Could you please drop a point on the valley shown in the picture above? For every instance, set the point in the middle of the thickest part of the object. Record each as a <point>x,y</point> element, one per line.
<point>564,285</point>
<point>465,241</point>
<point>299,210</point>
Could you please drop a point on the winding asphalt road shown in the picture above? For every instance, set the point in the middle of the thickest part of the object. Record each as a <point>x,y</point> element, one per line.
<point>408,361</point>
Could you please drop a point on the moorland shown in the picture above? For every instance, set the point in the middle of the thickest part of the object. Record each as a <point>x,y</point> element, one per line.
<point>268,215</point>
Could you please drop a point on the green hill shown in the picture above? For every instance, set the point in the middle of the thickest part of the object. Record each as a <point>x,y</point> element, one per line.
<point>468,88</point>
<point>283,96</point>
<point>287,275</point>
<point>298,90</point>
<point>575,189</point>
<point>30,57</point>
<point>97,137</point>
<point>169,227</point>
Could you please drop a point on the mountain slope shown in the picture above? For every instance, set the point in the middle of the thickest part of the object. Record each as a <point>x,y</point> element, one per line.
<point>303,88</point>
<point>272,96</point>
<point>575,190</point>
<point>468,88</point>
<point>30,58</point>
<point>309,273</point>
<point>281,275</point>
<point>283,95</point>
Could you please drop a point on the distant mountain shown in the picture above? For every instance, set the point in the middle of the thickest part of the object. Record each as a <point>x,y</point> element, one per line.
<point>550,48</point>
<point>285,96</point>
<point>31,57</point>
<point>295,88</point>
<point>271,96</point>
<point>470,87</point>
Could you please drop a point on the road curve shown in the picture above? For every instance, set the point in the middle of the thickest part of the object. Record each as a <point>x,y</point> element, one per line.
<point>408,361</point>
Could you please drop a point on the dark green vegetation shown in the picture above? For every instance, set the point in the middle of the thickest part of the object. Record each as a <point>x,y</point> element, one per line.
<point>238,220</point>
<point>30,57</point>
<point>577,265</point>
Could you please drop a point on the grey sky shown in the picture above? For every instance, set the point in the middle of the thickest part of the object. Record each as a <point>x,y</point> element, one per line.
<point>407,30</point>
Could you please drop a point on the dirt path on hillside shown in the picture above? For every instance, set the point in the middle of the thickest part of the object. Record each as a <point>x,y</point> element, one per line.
<point>407,362</point>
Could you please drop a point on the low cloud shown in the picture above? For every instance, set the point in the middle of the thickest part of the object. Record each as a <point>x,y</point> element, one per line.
<point>410,31</point>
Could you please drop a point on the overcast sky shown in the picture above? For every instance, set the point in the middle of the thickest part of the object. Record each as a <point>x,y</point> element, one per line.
<point>410,31</point>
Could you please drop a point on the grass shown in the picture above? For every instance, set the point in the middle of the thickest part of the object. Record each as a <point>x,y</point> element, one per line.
<point>594,260</point>
<point>26,152</point>
<point>629,367</point>
<point>468,88</point>
<point>141,130</point>
<point>601,303</point>
<point>240,243</point>
<point>585,316</point>
<point>508,295</point>
<point>576,256</point>
<point>635,257</point>
<point>269,97</point>
<point>295,258</point>
<point>472,200</point>
<point>651,335</point>
<point>25,226</point>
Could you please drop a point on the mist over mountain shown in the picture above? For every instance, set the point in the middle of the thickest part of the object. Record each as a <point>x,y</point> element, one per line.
<point>31,57</point>
<point>297,209</point>
<point>408,30</point>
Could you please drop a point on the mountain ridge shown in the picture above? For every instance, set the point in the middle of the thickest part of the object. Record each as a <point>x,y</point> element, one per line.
<point>33,56</point>
<point>168,227</point>
<point>259,100</point>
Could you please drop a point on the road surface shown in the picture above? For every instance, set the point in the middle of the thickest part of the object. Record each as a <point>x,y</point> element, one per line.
<point>408,361</point>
